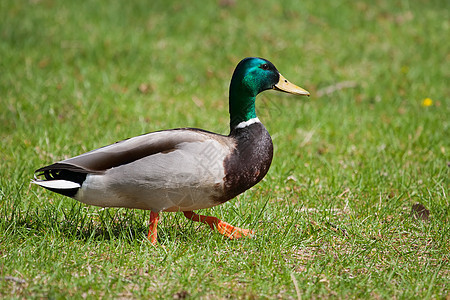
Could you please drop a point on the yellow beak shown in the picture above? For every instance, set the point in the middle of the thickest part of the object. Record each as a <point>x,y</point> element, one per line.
<point>285,86</point>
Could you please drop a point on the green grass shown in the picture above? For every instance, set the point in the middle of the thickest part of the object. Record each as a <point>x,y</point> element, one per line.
<point>333,215</point>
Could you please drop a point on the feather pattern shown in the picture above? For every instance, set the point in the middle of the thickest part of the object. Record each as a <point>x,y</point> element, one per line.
<point>171,170</point>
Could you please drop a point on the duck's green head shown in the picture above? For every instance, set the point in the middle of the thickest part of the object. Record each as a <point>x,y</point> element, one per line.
<point>252,76</point>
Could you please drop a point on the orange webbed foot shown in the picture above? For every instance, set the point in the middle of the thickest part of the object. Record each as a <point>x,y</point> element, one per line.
<point>222,227</point>
<point>233,232</point>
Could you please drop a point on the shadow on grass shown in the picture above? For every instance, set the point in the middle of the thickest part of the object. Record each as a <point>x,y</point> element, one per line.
<point>88,223</point>
<point>81,222</point>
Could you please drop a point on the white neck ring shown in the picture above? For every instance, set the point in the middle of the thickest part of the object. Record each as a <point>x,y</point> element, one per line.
<point>248,123</point>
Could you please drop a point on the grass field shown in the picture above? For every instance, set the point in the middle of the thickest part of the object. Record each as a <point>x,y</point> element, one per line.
<point>333,218</point>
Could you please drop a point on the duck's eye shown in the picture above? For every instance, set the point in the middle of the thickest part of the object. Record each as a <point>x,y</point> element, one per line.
<point>265,67</point>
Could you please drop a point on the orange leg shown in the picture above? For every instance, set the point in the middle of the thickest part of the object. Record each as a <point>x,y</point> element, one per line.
<point>153,228</point>
<point>224,228</point>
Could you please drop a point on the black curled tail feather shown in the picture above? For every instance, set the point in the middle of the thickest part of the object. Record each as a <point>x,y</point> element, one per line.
<point>60,171</point>
<point>58,174</point>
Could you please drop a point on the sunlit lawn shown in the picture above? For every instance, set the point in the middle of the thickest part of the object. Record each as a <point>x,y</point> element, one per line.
<point>333,218</point>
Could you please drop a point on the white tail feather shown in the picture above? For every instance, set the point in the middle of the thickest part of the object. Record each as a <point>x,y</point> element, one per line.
<point>57,184</point>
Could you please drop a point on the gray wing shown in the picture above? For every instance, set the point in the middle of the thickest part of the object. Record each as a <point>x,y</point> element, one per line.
<point>130,150</point>
<point>172,170</point>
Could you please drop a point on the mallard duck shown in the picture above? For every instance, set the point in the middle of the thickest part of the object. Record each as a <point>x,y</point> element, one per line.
<point>180,170</point>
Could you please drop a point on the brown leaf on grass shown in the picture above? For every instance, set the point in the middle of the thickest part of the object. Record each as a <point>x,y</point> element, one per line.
<point>419,211</point>
<point>145,88</point>
<point>181,295</point>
